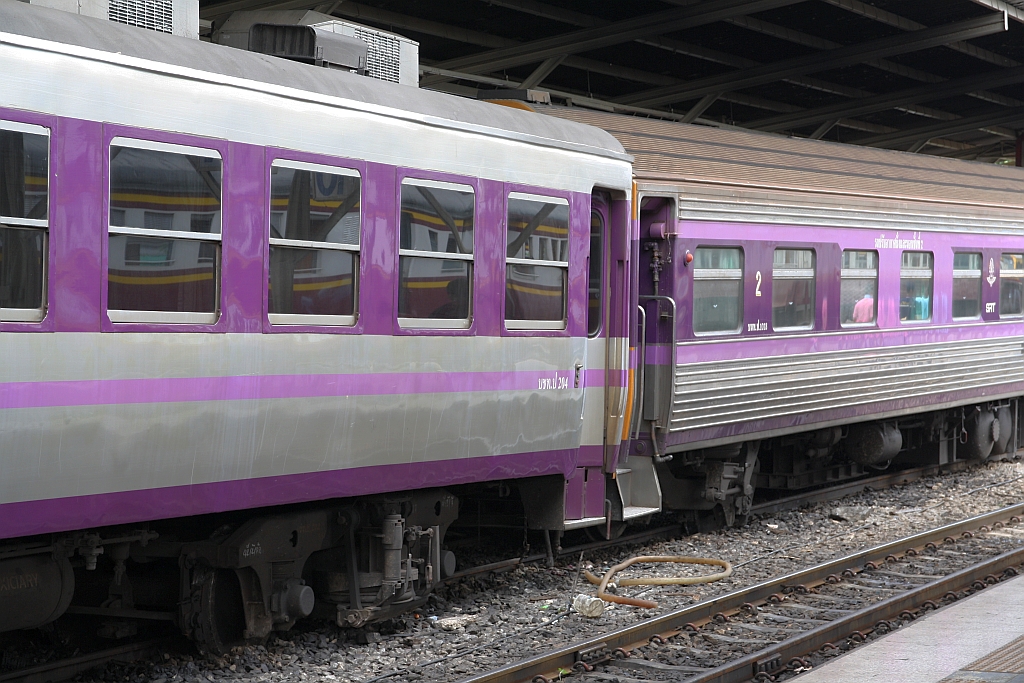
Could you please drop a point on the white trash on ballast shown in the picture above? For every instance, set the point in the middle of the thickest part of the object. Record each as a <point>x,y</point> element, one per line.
<point>588,605</point>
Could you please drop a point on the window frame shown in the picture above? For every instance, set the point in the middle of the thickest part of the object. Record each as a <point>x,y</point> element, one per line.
<point>911,276</point>
<point>602,269</point>
<point>427,179</point>
<point>971,275</point>
<point>33,316</point>
<point>796,274</point>
<point>1013,274</point>
<point>539,325</point>
<point>120,316</point>
<point>721,274</point>
<point>293,320</point>
<point>859,274</point>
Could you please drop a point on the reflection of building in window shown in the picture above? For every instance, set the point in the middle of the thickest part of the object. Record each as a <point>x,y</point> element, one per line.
<point>966,285</point>
<point>1011,285</point>
<point>24,221</point>
<point>435,254</point>
<point>140,251</point>
<point>314,244</point>
<point>916,286</point>
<point>793,289</point>
<point>164,236</point>
<point>717,290</point>
<point>536,261</point>
<point>858,290</point>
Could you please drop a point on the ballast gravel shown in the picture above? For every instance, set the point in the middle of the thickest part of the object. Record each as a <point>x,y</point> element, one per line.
<point>485,621</point>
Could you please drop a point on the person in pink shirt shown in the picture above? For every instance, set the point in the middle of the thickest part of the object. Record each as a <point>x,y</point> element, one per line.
<point>864,310</point>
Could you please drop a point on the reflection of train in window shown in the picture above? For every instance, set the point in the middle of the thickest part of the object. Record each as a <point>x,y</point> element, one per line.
<point>314,243</point>
<point>436,254</point>
<point>24,174</point>
<point>164,218</point>
<point>537,260</point>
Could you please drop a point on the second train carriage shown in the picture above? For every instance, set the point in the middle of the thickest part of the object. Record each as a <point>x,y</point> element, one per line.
<point>812,311</point>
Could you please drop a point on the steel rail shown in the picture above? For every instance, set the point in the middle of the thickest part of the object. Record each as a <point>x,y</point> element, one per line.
<point>672,622</point>
<point>880,481</point>
<point>865,619</point>
<point>64,669</point>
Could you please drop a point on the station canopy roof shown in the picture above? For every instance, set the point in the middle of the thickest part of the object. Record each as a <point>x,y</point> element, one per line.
<point>941,77</point>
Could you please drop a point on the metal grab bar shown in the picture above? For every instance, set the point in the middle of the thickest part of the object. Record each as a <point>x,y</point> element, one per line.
<point>641,371</point>
<point>672,304</point>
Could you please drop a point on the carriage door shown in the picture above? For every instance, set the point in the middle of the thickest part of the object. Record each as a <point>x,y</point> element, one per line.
<point>604,402</point>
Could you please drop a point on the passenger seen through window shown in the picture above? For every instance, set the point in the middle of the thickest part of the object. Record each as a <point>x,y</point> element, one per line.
<point>858,288</point>
<point>916,286</point>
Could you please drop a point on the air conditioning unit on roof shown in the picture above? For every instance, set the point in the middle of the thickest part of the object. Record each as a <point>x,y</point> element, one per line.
<point>177,17</point>
<point>389,57</point>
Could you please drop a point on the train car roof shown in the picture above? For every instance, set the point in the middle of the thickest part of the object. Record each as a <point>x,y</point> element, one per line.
<point>673,152</point>
<point>20,18</point>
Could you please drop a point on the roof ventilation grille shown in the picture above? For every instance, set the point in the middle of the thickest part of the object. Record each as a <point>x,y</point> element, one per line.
<point>156,15</point>
<point>383,54</point>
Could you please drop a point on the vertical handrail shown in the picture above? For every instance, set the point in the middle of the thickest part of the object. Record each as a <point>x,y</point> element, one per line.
<point>641,371</point>
<point>672,304</point>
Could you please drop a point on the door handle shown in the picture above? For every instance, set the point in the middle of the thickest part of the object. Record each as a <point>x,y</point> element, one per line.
<point>579,371</point>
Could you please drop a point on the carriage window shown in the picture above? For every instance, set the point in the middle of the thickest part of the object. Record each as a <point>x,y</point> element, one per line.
<point>1011,285</point>
<point>793,289</point>
<point>435,254</point>
<point>916,286</point>
<point>314,244</point>
<point>717,290</point>
<point>966,286</point>
<point>163,263</point>
<point>858,289</point>
<point>24,175</point>
<point>537,261</point>
<point>596,271</point>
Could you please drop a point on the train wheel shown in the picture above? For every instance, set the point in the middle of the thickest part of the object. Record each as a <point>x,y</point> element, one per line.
<point>219,624</point>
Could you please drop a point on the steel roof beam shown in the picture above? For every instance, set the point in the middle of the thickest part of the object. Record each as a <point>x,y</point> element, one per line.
<point>616,33</point>
<point>891,19</point>
<point>365,13</point>
<point>932,130</point>
<point>998,5</point>
<point>821,61</point>
<point>868,105</point>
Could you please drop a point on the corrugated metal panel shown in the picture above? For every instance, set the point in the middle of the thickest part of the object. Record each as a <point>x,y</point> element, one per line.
<point>737,391</point>
<point>684,153</point>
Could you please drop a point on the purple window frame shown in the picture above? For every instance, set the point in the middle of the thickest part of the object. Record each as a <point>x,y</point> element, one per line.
<point>577,254</point>
<point>684,325</point>
<point>224,318</point>
<point>479,274</point>
<point>820,325</point>
<point>278,154</point>
<point>51,124</point>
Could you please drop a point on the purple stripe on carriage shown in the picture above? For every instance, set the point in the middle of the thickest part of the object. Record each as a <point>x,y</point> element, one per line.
<point>129,507</point>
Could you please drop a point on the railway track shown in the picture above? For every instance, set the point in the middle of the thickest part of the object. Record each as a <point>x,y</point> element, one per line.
<point>64,669</point>
<point>881,481</point>
<point>785,625</point>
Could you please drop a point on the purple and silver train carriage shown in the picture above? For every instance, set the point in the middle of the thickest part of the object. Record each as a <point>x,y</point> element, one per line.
<point>232,282</point>
<point>812,311</point>
<point>268,328</point>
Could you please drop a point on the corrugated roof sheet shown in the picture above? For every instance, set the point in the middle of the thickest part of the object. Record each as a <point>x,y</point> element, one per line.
<point>679,152</point>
